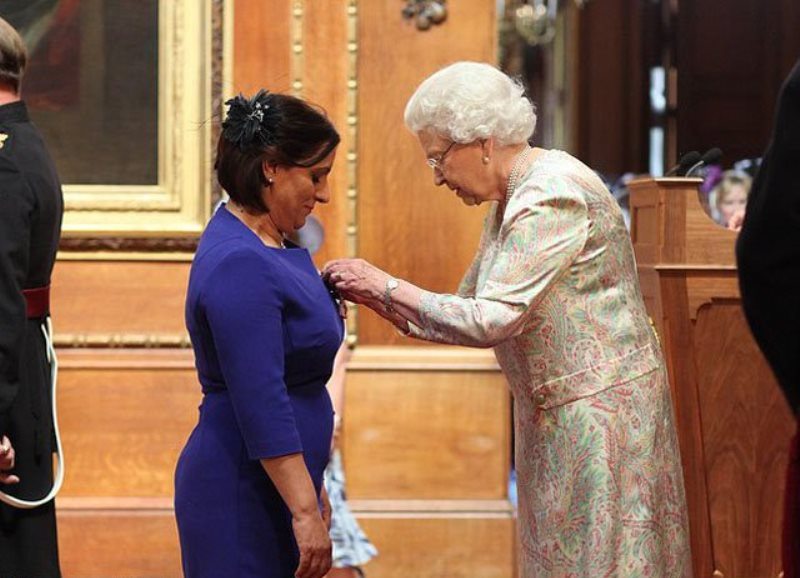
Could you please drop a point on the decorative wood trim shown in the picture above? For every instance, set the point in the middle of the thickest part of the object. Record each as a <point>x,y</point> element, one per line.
<point>697,268</point>
<point>114,505</point>
<point>298,56</point>
<point>415,358</point>
<point>221,71</point>
<point>123,256</point>
<point>433,508</point>
<point>121,340</point>
<point>129,244</point>
<point>125,359</point>
<point>352,152</point>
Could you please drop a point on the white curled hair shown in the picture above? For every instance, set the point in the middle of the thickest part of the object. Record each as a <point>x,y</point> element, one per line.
<point>469,101</point>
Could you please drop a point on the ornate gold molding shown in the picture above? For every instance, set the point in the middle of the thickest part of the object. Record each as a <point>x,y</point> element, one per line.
<point>128,244</point>
<point>352,152</point>
<point>298,56</point>
<point>121,340</point>
<point>221,81</point>
<point>179,203</point>
<point>214,32</point>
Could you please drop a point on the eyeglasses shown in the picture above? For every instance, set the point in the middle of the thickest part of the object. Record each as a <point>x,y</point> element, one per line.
<point>436,162</point>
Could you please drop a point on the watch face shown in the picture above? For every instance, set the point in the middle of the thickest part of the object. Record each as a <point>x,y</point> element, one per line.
<point>391,284</point>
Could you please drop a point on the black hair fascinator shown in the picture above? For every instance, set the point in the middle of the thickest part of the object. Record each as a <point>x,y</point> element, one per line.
<point>244,124</point>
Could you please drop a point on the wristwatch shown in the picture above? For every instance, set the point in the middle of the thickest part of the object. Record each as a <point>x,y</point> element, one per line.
<point>391,285</point>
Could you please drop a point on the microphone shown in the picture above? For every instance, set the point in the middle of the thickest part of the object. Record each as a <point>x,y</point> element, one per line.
<point>710,157</point>
<point>684,163</point>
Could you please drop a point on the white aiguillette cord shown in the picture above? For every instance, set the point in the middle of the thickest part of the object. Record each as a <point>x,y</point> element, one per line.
<point>47,331</point>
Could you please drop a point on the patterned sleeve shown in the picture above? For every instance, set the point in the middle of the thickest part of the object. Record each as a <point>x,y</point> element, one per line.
<point>542,233</point>
<point>470,280</point>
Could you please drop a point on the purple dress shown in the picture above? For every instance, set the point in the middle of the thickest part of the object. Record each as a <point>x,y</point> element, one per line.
<point>265,332</point>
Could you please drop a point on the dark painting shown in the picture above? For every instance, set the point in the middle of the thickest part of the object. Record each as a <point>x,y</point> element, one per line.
<point>92,85</point>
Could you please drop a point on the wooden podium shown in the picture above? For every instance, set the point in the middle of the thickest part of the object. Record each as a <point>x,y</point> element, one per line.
<point>733,422</point>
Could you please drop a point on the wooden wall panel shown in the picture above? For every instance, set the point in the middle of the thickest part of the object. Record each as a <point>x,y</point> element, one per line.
<point>612,86</point>
<point>266,37</point>
<point>746,422</point>
<point>422,431</point>
<point>133,540</point>
<point>451,547</point>
<point>262,47</point>
<point>406,225</point>
<point>124,419</point>
<point>125,415</point>
<point>115,298</point>
<point>325,77</point>
<point>139,540</point>
<point>729,73</point>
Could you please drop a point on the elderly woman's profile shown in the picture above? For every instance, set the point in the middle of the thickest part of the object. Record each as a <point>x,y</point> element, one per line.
<point>553,289</point>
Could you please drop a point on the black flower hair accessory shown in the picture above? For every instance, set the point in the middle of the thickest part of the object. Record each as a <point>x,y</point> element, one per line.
<point>244,125</point>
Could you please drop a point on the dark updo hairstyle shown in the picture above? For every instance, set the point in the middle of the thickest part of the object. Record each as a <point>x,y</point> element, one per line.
<point>275,128</point>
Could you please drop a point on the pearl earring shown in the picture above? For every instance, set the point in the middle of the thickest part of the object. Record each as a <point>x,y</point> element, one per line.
<point>486,160</point>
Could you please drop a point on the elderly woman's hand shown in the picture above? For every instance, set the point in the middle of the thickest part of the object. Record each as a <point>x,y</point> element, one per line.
<point>364,284</point>
<point>356,280</point>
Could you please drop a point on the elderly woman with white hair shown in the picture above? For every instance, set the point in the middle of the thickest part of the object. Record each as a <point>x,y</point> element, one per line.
<point>553,289</point>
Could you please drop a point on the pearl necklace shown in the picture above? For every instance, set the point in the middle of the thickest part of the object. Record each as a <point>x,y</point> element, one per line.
<point>514,176</point>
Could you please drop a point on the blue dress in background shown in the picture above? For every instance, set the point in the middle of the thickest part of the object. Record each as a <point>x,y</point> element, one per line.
<point>265,332</point>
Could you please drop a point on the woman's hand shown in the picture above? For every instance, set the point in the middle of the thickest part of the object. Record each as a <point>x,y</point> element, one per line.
<point>7,462</point>
<point>356,280</point>
<point>311,534</point>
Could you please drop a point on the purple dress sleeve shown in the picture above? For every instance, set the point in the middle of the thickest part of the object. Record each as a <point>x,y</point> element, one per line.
<point>243,306</point>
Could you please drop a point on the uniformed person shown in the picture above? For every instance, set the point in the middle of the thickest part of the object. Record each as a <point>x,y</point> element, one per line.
<point>31,208</point>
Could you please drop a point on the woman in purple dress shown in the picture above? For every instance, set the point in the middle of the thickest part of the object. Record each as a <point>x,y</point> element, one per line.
<point>265,330</point>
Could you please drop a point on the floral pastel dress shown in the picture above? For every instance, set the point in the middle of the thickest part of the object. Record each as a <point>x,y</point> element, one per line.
<point>554,290</point>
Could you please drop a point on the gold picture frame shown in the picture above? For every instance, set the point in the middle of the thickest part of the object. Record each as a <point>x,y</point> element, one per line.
<point>167,216</point>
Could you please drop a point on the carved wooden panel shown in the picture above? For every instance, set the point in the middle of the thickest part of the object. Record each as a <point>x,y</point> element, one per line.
<point>746,422</point>
<point>124,540</point>
<point>117,303</point>
<point>124,419</point>
<point>262,47</point>
<point>447,546</point>
<point>414,432</point>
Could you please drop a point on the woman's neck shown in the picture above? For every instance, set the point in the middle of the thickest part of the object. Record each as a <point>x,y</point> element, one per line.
<point>261,224</point>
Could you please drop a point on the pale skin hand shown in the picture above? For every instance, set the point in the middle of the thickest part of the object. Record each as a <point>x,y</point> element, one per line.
<point>736,221</point>
<point>363,283</point>
<point>310,526</point>
<point>7,462</point>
